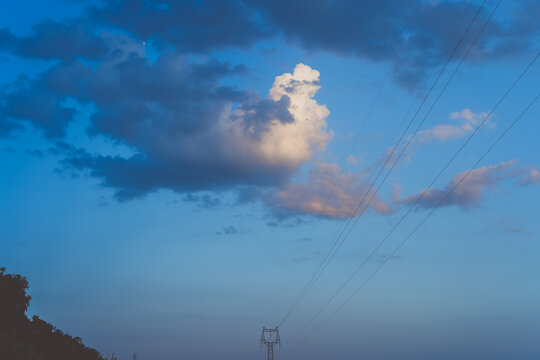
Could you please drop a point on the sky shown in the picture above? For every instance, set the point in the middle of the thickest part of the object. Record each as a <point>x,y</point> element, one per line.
<point>175,172</point>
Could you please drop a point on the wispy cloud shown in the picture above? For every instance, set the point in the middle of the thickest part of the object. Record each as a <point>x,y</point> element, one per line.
<point>446,132</point>
<point>532,176</point>
<point>509,226</point>
<point>204,201</point>
<point>470,190</point>
<point>330,192</point>
<point>228,230</point>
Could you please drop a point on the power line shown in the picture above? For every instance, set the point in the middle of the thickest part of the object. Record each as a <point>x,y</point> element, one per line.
<point>329,254</point>
<point>418,199</point>
<point>425,219</point>
<point>333,250</point>
<point>355,142</point>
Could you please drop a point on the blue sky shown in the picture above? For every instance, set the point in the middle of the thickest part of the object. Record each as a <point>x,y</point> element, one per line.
<point>174,173</point>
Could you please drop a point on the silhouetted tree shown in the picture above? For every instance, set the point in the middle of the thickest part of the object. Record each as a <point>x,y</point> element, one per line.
<point>24,339</point>
<point>14,301</point>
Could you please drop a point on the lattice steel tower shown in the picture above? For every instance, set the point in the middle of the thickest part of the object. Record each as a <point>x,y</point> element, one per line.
<point>270,337</point>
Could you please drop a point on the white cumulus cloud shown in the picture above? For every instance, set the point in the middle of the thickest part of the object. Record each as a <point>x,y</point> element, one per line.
<point>445,132</point>
<point>283,143</point>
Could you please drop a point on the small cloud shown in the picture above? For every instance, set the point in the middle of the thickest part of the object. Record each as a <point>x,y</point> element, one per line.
<point>509,226</point>
<point>233,230</point>
<point>330,192</point>
<point>352,160</point>
<point>531,177</point>
<point>393,154</point>
<point>248,194</point>
<point>228,230</point>
<point>463,192</point>
<point>204,201</point>
<point>286,219</point>
<point>447,132</point>
<point>469,116</point>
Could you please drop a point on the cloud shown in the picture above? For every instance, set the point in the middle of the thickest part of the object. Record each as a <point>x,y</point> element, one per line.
<point>425,31</point>
<point>330,192</point>
<point>469,116</point>
<point>185,130</point>
<point>65,40</point>
<point>30,100</point>
<point>189,131</point>
<point>470,191</point>
<point>228,230</point>
<point>393,155</point>
<point>446,132</point>
<point>189,26</point>
<point>204,201</point>
<point>186,133</point>
<point>532,176</point>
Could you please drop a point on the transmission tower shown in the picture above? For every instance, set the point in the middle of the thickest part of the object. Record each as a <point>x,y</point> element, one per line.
<point>270,337</point>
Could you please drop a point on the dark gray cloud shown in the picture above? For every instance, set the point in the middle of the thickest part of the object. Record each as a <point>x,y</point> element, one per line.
<point>258,113</point>
<point>204,201</point>
<point>193,26</point>
<point>426,31</point>
<point>186,131</point>
<point>169,111</point>
<point>362,28</point>
<point>65,40</point>
<point>31,100</point>
<point>228,230</point>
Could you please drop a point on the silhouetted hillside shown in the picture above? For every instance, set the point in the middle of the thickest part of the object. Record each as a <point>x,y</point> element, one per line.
<point>25,339</point>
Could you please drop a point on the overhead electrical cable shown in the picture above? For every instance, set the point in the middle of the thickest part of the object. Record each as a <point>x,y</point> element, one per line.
<point>418,199</point>
<point>358,136</point>
<point>335,247</point>
<point>417,227</point>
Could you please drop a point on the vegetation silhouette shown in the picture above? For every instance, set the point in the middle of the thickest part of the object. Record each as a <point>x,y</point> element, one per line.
<point>25,339</point>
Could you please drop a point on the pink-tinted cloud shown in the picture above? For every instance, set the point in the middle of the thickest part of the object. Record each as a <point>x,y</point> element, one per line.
<point>445,132</point>
<point>532,176</point>
<point>330,192</point>
<point>470,191</point>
